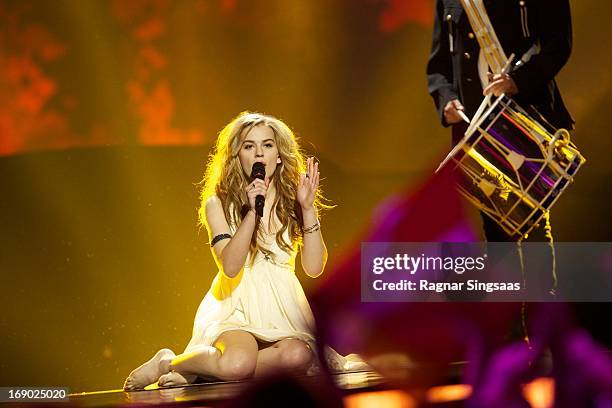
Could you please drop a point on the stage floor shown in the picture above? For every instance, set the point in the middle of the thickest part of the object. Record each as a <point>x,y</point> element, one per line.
<point>355,389</point>
<point>217,393</point>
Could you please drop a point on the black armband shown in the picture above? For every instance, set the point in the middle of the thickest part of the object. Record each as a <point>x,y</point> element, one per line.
<point>218,238</point>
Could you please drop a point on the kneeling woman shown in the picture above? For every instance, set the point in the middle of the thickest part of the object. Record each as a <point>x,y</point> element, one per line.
<point>255,318</point>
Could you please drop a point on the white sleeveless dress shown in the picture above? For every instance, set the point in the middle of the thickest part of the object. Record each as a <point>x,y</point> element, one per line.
<point>265,299</point>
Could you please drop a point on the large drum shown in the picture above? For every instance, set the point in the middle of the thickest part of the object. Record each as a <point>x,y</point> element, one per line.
<point>513,167</point>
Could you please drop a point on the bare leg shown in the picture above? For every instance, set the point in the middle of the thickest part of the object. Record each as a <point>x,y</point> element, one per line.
<point>150,371</point>
<point>291,355</point>
<point>234,357</point>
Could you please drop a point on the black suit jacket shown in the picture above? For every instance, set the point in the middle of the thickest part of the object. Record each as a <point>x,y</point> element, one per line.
<point>452,70</point>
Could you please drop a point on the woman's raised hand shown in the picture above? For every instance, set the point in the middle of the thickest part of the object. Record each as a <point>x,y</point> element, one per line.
<point>309,182</point>
<point>255,188</point>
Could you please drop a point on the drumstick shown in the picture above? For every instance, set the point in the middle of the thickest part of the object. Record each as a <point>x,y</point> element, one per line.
<point>481,108</point>
<point>463,116</point>
<point>485,101</point>
<point>506,67</point>
<point>457,146</point>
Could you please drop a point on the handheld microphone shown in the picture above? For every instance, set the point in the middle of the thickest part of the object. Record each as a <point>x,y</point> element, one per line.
<point>259,171</point>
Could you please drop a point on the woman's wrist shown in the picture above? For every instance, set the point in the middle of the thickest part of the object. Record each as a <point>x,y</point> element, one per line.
<point>308,212</point>
<point>308,229</point>
<point>251,216</point>
<point>310,221</point>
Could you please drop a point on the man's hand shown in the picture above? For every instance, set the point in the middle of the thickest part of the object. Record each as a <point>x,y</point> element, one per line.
<point>450,112</point>
<point>500,84</point>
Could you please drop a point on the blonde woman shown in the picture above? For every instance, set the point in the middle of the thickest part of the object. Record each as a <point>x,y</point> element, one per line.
<point>255,318</point>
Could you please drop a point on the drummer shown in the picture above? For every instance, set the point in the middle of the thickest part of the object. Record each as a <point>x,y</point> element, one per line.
<point>538,32</point>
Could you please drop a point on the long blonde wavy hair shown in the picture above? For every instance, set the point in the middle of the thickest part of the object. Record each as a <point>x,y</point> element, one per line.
<point>225,178</point>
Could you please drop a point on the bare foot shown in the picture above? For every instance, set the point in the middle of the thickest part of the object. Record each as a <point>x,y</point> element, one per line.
<point>150,371</point>
<point>172,379</point>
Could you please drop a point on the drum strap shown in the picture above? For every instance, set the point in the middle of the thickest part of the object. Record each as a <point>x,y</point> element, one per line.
<point>482,28</point>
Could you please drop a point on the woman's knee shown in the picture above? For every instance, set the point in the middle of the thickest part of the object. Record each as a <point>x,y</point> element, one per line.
<point>237,365</point>
<point>296,354</point>
<point>238,356</point>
